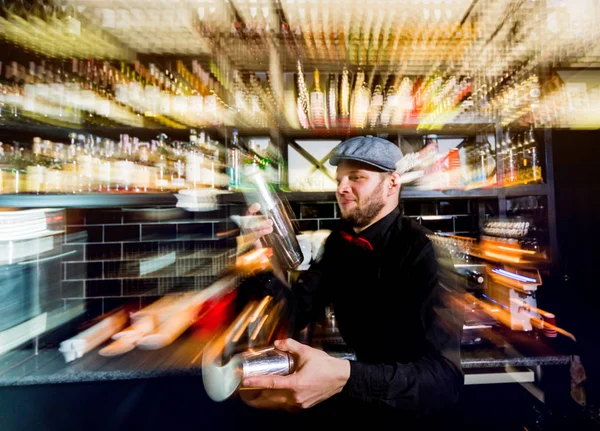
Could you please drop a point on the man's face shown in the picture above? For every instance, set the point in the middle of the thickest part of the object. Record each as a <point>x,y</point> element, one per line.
<point>360,192</point>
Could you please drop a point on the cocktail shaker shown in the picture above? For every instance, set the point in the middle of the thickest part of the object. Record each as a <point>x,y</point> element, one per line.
<point>222,381</point>
<point>267,361</point>
<point>283,240</point>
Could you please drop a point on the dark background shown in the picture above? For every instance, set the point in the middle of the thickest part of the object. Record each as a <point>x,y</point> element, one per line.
<point>572,293</point>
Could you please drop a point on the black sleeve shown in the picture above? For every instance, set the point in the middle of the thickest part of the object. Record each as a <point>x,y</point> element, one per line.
<point>310,296</point>
<point>304,301</point>
<point>433,381</point>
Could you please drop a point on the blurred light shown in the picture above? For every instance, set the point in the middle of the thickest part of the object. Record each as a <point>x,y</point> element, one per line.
<point>503,257</point>
<point>514,276</point>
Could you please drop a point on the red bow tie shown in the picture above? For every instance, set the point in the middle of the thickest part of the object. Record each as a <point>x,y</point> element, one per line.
<point>361,242</point>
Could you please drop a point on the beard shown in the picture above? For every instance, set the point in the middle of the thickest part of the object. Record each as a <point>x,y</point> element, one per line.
<point>363,215</point>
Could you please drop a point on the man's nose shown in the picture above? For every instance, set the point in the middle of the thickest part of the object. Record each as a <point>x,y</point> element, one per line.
<point>343,186</point>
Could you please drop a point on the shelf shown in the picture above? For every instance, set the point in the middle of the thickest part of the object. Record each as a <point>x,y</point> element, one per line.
<point>47,131</point>
<point>507,192</point>
<point>101,200</point>
<point>537,263</point>
<point>525,190</point>
<point>20,130</point>
<point>412,129</point>
<point>415,193</point>
<point>86,200</point>
<point>407,193</point>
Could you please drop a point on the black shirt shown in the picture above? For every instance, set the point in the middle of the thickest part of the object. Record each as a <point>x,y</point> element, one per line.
<point>392,296</point>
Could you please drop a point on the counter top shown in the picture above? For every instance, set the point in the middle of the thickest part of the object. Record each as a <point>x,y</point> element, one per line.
<point>517,349</point>
<point>22,367</point>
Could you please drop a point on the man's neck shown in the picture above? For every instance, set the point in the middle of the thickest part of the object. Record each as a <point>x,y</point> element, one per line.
<point>381,214</point>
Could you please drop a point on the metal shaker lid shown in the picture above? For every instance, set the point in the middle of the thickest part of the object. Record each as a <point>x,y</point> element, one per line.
<point>220,382</point>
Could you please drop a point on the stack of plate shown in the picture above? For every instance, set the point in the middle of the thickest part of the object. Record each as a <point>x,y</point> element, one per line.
<point>199,199</point>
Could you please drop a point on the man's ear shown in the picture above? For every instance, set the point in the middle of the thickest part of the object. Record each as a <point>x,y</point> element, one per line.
<point>394,184</point>
<point>395,179</point>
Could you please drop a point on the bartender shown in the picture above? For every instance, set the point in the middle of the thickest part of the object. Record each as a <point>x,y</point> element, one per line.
<point>392,303</point>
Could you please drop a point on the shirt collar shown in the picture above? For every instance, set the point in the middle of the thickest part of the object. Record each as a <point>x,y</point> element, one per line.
<point>374,234</point>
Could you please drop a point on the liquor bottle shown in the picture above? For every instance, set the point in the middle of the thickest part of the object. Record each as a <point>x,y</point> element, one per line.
<point>376,105</point>
<point>532,171</point>
<point>317,103</point>
<point>404,103</point>
<point>522,164</point>
<point>234,162</point>
<point>510,162</point>
<point>390,105</point>
<point>502,154</point>
<point>303,101</point>
<point>490,163</point>
<point>361,97</point>
<point>332,100</point>
<point>345,97</point>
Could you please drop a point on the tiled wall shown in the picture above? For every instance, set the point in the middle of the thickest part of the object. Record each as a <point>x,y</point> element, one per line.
<point>452,216</point>
<point>135,255</point>
<point>120,256</point>
<point>312,216</point>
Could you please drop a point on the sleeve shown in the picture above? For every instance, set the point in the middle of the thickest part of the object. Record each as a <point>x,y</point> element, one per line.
<point>433,381</point>
<point>309,295</point>
<point>306,298</point>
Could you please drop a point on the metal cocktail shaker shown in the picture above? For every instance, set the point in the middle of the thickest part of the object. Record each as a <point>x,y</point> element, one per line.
<point>222,381</point>
<point>268,361</point>
<point>283,240</point>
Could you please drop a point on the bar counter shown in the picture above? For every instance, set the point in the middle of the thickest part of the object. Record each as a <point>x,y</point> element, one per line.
<point>183,358</point>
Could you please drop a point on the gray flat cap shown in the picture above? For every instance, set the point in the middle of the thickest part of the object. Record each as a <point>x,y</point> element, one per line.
<point>377,152</point>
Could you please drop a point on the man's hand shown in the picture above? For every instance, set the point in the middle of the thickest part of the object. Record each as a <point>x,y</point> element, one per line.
<point>261,228</point>
<point>318,377</point>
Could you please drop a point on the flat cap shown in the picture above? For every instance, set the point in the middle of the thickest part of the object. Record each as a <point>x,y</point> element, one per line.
<point>377,152</point>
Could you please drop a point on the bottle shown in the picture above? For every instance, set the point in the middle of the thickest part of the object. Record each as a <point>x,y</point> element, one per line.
<point>390,105</point>
<point>303,101</point>
<point>511,163</point>
<point>523,167</point>
<point>490,163</point>
<point>376,105</point>
<point>531,157</point>
<point>35,172</point>
<point>234,162</point>
<point>344,101</point>
<point>193,138</point>
<point>361,97</point>
<point>332,99</point>
<point>317,103</point>
<point>179,164</point>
